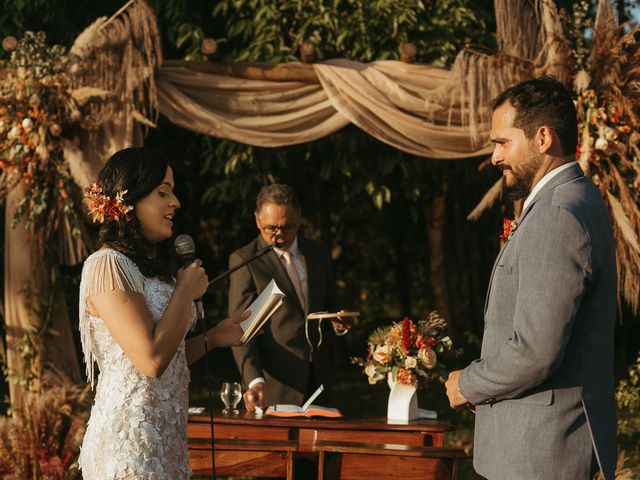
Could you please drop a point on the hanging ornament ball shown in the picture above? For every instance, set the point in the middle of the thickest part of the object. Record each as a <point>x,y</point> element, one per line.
<point>209,46</point>
<point>408,52</point>
<point>9,44</point>
<point>308,53</point>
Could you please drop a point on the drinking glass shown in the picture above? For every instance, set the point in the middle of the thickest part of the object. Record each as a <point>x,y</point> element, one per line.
<point>231,394</point>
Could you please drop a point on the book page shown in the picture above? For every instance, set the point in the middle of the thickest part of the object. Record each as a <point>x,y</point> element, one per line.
<point>315,394</point>
<point>287,408</point>
<point>261,309</point>
<point>317,410</point>
<point>287,411</point>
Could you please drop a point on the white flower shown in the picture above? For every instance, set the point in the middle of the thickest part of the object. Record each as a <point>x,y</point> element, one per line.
<point>370,370</point>
<point>27,124</point>
<point>609,133</point>
<point>601,144</point>
<point>428,357</point>
<point>13,133</point>
<point>410,362</point>
<point>382,354</point>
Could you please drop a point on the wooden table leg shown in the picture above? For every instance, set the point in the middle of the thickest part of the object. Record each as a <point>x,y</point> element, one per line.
<point>321,466</point>
<point>290,466</point>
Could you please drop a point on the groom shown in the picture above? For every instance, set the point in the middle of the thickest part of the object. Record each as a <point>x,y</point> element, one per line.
<point>543,387</point>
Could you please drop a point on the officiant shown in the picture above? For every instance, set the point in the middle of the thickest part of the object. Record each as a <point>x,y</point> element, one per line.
<point>279,366</point>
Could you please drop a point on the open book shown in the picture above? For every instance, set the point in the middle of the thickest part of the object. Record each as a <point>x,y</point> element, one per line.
<point>261,309</point>
<point>307,410</point>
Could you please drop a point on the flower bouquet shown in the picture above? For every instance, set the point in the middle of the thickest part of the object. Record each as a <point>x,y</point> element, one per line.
<point>407,350</point>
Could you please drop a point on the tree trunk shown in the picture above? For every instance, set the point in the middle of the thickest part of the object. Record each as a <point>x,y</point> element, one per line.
<point>403,275</point>
<point>22,268</point>
<point>435,215</point>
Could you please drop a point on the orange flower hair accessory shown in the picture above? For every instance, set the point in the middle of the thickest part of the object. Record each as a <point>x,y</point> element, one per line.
<point>103,207</point>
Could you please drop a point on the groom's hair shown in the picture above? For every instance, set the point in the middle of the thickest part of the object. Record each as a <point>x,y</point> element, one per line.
<point>541,102</point>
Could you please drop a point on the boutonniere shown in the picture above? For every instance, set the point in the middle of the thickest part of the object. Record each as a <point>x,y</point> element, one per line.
<point>508,227</point>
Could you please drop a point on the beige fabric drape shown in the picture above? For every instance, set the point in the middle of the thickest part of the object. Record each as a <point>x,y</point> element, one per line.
<point>258,112</point>
<point>395,102</point>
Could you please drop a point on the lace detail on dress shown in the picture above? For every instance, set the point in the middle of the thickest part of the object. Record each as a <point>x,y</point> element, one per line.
<point>138,425</point>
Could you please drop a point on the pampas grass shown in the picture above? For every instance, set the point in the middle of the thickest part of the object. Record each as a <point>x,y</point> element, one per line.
<point>42,440</point>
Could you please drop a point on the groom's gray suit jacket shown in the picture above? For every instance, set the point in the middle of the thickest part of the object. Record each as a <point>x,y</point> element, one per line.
<point>544,385</point>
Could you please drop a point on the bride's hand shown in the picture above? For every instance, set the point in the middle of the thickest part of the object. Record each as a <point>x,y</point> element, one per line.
<point>192,280</point>
<point>228,332</point>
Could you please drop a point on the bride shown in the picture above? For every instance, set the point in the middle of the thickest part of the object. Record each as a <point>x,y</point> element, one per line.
<point>133,321</point>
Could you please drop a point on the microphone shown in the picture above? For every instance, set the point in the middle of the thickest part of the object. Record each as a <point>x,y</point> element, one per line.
<point>262,252</point>
<point>186,251</point>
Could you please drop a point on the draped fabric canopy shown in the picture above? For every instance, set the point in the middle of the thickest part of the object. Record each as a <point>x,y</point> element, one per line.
<point>392,101</point>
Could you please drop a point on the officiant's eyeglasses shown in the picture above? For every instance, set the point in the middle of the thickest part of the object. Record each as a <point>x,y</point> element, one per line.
<point>272,229</point>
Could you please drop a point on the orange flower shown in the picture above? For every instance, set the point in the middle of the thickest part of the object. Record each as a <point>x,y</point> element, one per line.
<point>102,206</point>
<point>406,377</point>
<point>508,227</point>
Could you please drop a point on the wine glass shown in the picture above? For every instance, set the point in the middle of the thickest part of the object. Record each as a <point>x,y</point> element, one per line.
<point>231,394</point>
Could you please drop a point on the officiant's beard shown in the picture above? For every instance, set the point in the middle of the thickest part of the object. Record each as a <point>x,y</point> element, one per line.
<point>518,182</point>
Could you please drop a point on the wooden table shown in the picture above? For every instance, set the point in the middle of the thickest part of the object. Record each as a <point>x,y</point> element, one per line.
<point>346,448</point>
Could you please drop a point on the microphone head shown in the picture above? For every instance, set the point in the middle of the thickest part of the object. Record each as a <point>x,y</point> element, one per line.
<point>185,247</point>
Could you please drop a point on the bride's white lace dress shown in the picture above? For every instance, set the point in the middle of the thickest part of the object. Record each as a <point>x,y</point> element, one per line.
<point>138,425</point>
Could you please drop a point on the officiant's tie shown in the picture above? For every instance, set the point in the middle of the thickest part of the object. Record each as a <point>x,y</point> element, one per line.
<point>294,277</point>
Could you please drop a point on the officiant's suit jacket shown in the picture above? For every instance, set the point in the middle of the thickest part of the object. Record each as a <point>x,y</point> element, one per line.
<point>281,354</point>
<point>544,385</point>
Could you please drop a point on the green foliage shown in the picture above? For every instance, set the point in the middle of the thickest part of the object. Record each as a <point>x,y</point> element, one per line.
<point>577,25</point>
<point>29,346</point>
<point>628,401</point>
<point>363,30</point>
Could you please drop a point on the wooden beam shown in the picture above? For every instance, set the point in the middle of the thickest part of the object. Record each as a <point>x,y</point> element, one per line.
<point>283,72</point>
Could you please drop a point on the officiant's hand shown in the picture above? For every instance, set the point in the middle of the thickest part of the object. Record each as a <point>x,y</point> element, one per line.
<point>456,398</point>
<point>341,325</point>
<point>254,397</point>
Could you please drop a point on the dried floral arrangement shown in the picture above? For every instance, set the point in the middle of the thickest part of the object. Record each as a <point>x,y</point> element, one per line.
<point>36,105</point>
<point>42,439</point>
<point>608,101</point>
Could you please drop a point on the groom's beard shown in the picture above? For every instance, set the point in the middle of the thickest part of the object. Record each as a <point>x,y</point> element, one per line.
<point>517,184</point>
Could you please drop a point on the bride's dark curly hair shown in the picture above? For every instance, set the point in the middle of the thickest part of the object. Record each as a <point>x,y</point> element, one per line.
<point>138,171</point>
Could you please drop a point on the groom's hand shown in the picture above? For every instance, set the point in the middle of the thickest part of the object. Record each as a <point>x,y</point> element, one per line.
<point>456,399</point>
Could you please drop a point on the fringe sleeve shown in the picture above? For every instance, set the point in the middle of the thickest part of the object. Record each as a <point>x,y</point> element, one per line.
<point>104,271</point>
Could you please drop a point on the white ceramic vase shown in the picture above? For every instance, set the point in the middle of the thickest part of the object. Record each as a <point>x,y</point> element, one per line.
<point>403,401</point>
